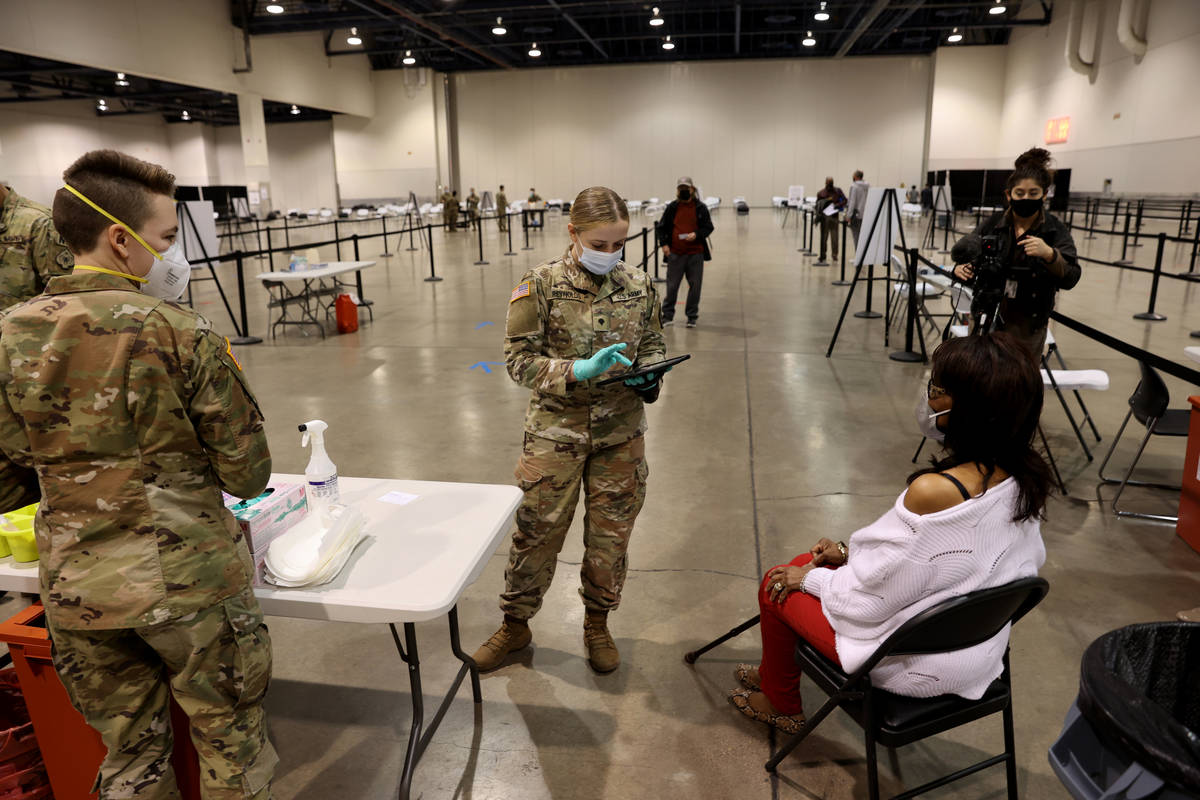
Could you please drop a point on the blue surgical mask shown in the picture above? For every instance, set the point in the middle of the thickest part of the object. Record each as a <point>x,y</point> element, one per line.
<point>599,263</point>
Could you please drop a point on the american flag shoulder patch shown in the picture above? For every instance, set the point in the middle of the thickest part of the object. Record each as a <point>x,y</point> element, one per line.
<point>522,290</point>
<point>232,357</point>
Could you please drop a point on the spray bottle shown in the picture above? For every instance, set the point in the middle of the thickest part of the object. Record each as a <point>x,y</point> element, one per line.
<point>320,474</point>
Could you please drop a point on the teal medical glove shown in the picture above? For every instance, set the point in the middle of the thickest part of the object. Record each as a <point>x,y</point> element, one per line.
<point>587,368</point>
<point>647,381</point>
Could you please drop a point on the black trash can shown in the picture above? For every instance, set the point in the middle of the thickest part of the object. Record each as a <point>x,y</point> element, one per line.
<point>1134,730</point>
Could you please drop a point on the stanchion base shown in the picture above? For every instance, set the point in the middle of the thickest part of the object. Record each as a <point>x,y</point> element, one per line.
<point>434,279</point>
<point>867,314</point>
<point>905,355</point>
<point>526,248</point>
<point>943,252</point>
<point>1136,244</point>
<point>412,249</point>
<point>821,263</point>
<point>841,283</point>
<point>806,252</point>
<point>1147,315</point>
<point>241,340</point>
<point>481,263</point>
<point>385,255</point>
<point>510,254</point>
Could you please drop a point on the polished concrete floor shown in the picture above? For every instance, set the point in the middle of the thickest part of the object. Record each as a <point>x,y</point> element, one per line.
<point>759,446</point>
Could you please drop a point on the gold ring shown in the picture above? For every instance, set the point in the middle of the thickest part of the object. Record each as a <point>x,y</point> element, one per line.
<point>778,586</point>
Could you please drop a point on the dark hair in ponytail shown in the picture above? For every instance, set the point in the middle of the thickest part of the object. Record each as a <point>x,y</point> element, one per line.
<point>997,392</point>
<point>1033,163</point>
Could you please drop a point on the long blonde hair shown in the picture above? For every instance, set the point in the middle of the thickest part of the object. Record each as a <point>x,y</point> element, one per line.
<point>596,206</point>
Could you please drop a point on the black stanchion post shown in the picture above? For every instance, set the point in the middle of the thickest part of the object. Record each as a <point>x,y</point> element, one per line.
<point>243,336</point>
<point>1150,314</point>
<point>287,237</point>
<point>337,241</point>
<point>408,223</point>
<point>1195,247</point>
<point>479,233</point>
<point>270,252</point>
<point>946,234</point>
<point>1089,217</point>
<point>868,313</point>
<point>1137,226</point>
<point>525,227</point>
<point>842,280</point>
<point>433,276</point>
<point>1187,220</point>
<point>362,301</point>
<point>1116,214</point>
<point>908,354</point>
<point>385,253</point>
<point>657,250</point>
<point>645,251</point>
<point>508,228</point>
<point>258,240</point>
<point>1125,262</point>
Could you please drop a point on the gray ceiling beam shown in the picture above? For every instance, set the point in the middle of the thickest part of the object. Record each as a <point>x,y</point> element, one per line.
<point>863,25</point>
<point>553,4</point>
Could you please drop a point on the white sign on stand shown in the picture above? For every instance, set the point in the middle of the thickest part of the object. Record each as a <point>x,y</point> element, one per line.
<point>795,196</point>
<point>878,248</point>
<point>941,198</point>
<point>198,229</point>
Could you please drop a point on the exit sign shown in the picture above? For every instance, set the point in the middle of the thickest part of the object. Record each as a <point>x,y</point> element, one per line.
<point>1057,130</point>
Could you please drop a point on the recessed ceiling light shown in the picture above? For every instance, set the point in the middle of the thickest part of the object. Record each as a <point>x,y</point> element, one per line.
<point>668,44</point>
<point>274,8</point>
<point>408,58</point>
<point>656,20</point>
<point>822,15</point>
<point>808,41</point>
<point>295,109</point>
<point>533,51</point>
<point>499,30</point>
<point>121,81</point>
<point>185,116</point>
<point>997,9</point>
<point>354,38</point>
<point>954,37</point>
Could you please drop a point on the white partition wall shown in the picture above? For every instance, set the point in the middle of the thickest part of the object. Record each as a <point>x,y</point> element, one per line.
<point>739,128</point>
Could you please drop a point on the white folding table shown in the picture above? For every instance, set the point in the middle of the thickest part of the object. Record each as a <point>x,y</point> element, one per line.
<point>426,542</point>
<point>316,283</point>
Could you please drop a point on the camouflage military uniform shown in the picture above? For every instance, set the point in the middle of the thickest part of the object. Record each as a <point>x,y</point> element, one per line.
<point>450,210</point>
<point>31,253</point>
<point>473,208</point>
<point>576,433</point>
<point>502,210</point>
<point>135,415</point>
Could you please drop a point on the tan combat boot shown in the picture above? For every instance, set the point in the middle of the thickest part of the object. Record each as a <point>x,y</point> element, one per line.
<point>513,635</point>
<point>602,651</point>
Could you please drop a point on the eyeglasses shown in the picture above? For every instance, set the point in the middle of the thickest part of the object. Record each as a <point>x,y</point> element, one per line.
<point>932,390</point>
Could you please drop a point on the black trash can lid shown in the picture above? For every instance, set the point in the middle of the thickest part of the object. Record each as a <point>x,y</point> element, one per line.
<point>1139,686</point>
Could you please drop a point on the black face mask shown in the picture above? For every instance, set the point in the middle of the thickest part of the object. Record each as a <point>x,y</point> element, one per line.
<point>685,194</point>
<point>1026,207</point>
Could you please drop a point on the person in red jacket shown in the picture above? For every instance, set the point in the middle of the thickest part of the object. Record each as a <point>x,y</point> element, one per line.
<point>683,235</point>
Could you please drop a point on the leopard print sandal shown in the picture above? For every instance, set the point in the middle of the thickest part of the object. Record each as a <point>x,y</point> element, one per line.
<point>740,698</point>
<point>747,675</point>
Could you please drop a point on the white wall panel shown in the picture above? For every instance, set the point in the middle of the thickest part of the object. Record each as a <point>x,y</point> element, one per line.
<point>302,173</point>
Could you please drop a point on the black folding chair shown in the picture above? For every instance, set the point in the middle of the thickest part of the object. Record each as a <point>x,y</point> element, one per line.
<point>892,720</point>
<point>1148,403</point>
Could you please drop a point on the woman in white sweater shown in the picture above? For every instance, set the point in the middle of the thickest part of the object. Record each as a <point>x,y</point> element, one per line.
<point>971,521</point>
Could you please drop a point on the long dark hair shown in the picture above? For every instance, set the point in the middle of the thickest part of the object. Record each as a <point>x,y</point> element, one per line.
<point>997,392</point>
<point>1033,163</point>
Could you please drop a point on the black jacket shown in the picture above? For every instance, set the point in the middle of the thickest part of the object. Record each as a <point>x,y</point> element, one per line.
<point>1035,294</point>
<point>704,226</point>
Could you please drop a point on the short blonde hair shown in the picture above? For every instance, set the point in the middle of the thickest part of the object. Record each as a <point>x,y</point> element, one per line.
<point>596,206</point>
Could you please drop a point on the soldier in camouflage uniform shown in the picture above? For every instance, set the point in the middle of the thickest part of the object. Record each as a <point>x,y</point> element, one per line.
<point>569,320</point>
<point>473,208</point>
<point>136,415</point>
<point>31,253</point>
<point>502,208</point>
<point>450,209</point>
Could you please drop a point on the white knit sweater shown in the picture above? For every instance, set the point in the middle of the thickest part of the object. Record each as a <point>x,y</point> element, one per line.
<point>903,563</point>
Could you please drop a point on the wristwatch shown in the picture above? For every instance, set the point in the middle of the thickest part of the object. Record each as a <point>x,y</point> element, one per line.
<point>841,546</point>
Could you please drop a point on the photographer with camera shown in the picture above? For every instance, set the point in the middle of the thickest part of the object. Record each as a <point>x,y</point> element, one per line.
<point>1017,260</point>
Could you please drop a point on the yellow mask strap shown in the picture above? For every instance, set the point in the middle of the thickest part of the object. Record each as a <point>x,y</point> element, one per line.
<point>112,272</point>
<point>132,232</point>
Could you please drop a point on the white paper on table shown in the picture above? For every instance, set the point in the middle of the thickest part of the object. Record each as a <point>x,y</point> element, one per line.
<point>830,210</point>
<point>399,498</point>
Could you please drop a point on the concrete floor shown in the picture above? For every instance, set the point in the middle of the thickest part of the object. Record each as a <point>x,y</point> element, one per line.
<point>759,446</point>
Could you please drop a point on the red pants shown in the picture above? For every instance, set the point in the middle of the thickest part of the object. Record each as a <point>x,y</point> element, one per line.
<point>799,616</point>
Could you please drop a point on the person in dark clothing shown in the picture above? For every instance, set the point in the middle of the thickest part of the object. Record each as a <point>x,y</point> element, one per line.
<point>830,195</point>
<point>926,199</point>
<point>1029,237</point>
<point>683,235</point>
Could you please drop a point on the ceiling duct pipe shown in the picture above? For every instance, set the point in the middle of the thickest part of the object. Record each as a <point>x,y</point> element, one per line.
<point>1125,34</point>
<point>1075,36</point>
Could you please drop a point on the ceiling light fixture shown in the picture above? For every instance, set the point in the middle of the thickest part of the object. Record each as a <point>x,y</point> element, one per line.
<point>656,20</point>
<point>954,37</point>
<point>274,8</point>
<point>121,81</point>
<point>185,116</point>
<point>822,15</point>
<point>808,41</point>
<point>353,38</point>
<point>668,44</point>
<point>408,58</point>
<point>998,8</point>
<point>533,50</point>
<point>499,30</point>
<point>295,110</point>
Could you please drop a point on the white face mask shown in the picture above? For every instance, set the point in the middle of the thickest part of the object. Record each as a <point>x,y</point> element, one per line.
<point>599,263</point>
<point>168,277</point>
<point>927,418</point>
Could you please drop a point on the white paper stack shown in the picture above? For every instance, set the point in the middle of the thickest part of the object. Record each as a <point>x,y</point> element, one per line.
<point>316,549</point>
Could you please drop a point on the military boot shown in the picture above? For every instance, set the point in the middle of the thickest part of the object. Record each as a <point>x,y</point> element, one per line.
<point>602,651</point>
<point>513,635</point>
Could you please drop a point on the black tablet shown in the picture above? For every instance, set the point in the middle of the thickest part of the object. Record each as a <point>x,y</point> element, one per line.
<point>657,366</point>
